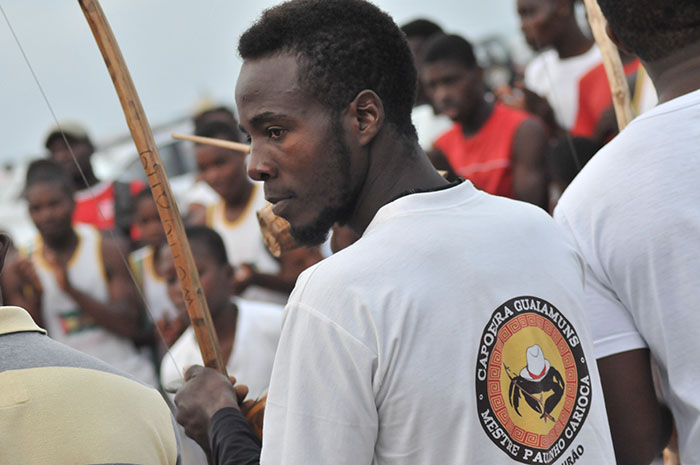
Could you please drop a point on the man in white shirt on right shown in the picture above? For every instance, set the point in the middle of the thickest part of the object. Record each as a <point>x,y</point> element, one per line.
<point>634,214</point>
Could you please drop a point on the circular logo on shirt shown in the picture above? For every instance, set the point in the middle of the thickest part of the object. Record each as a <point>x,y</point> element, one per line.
<point>533,389</point>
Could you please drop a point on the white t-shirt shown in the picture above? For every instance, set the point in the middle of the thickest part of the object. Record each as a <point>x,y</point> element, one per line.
<point>634,213</point>
<point>257,332</point>
<point>558,80</point>
<point>400,349</point>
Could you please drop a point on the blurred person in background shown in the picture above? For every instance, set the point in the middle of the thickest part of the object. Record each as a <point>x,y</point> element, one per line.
<point>429,123</point>
<point>60,405</point>
<point>247,331</point>
<point>564,161</point>
<point>565,54</point>
<point>169,321</point>
<point>75,282</point>
<point>499,148</point>
<point>107,205</point>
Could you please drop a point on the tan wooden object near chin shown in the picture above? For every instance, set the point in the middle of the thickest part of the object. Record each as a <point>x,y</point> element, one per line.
<point>276,232</point>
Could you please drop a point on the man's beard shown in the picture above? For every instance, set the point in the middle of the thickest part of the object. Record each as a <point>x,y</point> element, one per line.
<point>341,207</point>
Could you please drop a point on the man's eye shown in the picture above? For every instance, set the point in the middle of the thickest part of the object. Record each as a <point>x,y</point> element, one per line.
<point>275,133</point>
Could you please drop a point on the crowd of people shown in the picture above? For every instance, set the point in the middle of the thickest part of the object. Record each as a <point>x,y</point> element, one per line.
<point>508,278</point>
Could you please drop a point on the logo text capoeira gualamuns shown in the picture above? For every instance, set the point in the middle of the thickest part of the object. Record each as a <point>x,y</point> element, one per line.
<point>532,384</point>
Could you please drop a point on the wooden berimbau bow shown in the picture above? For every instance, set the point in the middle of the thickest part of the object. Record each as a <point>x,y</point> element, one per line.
<point>160,186</point>
<point>170,217</point>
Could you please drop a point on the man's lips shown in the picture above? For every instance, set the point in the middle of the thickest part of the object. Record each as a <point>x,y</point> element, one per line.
<point>279,203</point>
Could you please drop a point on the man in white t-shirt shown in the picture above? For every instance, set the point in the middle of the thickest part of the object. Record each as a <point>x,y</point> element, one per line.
<point>566,55</point>
<point>634,213</point>
<point>451,332</point>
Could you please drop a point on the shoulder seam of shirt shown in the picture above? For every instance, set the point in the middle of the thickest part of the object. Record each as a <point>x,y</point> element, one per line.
<point>312,311</point>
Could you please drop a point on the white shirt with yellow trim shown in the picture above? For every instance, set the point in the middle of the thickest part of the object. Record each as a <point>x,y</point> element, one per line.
<point>153,286</point>
<point>67,323</point>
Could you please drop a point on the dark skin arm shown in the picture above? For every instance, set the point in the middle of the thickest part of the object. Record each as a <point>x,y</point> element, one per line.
<point>292,263</point>
<point>529,163</point>
<point>21,287</point>
<point>121,314</point>
<point>639,424</point>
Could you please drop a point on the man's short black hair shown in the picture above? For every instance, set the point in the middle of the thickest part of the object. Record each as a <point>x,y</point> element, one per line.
<point>211,240</point>
<point>421,28</point>
<point>216,113</point>
<point>342,47</point>
<point>48,171</point>
<point>219,130</point>
<point>654,29</point>
<point>450,47</point>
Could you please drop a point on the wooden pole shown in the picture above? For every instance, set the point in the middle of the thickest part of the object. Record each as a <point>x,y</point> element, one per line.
<point>159,184</point>
<point>227,144</point>
<point>613,65</point>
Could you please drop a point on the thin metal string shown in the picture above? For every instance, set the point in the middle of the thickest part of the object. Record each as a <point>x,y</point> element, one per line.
<point>111,232</point>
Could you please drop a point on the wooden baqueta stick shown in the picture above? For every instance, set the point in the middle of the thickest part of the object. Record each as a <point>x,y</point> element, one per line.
<point>160,186</point>
<point>227,144</point>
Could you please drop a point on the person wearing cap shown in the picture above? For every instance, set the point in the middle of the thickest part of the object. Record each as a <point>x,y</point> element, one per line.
<point>104,204</point>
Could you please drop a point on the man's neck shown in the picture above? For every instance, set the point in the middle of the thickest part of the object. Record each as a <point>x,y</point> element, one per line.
<point>241,196</point>
<point>676,75</point>
<point>477,119</point>
<point>89,181</point>
<point>64,245</point>
<point>573,43</point>
<point>225,321</point>
<point>410,170</point>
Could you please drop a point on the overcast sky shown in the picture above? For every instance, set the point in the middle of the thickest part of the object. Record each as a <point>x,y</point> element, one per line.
<point>179,52</point>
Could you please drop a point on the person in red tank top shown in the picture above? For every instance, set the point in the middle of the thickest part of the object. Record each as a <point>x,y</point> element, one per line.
<point>106,205</point>
<point>501,150</point>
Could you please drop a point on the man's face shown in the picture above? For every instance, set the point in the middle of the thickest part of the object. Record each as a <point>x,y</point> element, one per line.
<point>298,149</point>
<point>59,151</point>
<point>454,90</point>
<point>537,21</point>
<point>222,169</point>
<point>51,210</point>
<point>216,279</point>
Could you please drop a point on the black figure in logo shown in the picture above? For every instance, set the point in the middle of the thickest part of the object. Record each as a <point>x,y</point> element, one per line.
<point>534,381</point>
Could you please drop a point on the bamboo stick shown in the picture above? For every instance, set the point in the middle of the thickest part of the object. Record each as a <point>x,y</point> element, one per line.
<point>227,144</point>
<point>159,184</point>
<point>613,65</point>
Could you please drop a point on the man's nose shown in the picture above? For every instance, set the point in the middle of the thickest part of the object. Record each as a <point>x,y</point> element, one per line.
<point>260,167</point>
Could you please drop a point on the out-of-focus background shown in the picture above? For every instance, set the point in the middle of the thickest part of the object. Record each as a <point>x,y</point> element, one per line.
<point>182,56</point>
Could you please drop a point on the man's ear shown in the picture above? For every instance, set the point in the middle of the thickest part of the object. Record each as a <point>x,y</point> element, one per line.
<point>617,41</point>
<point>367,113</point>
<point>4,247</point>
